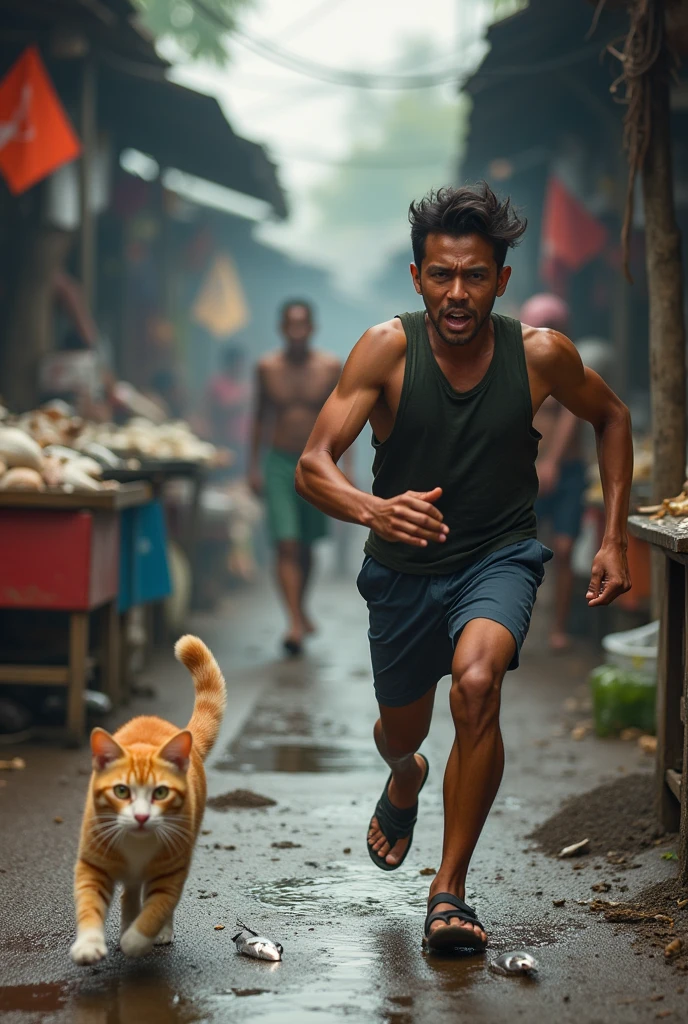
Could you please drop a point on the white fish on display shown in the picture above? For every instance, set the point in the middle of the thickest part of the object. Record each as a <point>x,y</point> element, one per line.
<point>515,963</point>
<point>250,943</point>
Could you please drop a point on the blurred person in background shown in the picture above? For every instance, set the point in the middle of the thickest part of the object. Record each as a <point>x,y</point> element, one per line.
<point>292,385</point>
<point>229,406</point>
<point>561,471</point>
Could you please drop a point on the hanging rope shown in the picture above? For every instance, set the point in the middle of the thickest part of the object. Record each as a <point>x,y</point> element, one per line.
<point>643,47</point>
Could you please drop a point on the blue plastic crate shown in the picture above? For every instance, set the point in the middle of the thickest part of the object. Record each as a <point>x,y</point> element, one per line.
<point>144,571</point>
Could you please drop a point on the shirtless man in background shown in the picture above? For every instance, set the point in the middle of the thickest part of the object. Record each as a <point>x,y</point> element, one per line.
<point>561,471</point>
<point>292,385</point>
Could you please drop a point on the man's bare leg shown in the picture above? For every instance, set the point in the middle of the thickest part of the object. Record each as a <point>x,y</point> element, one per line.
<point>476,762</point>
<point>290,580</point>
<point>398,734</point>
<point>306,554</point>
<point>563,589</point>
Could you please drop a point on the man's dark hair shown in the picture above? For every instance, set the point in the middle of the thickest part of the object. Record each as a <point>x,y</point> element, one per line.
<point>469,210</point>
<point>290,303</point>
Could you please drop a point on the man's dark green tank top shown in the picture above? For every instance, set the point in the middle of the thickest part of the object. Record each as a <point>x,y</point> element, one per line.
<point>479,446</point>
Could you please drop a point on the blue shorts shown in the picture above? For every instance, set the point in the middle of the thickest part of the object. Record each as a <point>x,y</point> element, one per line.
<point>416,621</point>
<point>563,507</point>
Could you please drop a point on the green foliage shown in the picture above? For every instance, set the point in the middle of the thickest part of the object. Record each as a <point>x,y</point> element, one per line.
<point>505,8</point>
<point>670,855</point>
<point>196,35</point>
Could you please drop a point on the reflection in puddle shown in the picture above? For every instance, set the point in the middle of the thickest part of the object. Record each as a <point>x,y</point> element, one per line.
<point>33,998</point>
<point>296,755</point>
<point>145,999</point>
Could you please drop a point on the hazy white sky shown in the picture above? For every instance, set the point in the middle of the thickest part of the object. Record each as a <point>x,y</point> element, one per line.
<point>303,122</point>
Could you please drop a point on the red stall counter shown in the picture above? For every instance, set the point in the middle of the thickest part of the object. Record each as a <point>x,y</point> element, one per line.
<point>60,552</point>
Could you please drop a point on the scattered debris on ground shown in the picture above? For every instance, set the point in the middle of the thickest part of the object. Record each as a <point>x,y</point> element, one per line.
<point>240,799</point>
<point>617,816</point>
<point>427,871</point>
<point>515,963</point>
<point>286,844</point>
<point>659,917</point>
<point>576,849</point>
<point>250,943</point>
<point>14,765</point>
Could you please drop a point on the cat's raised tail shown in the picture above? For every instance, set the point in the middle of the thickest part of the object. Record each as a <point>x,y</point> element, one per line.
<point>211,692</point>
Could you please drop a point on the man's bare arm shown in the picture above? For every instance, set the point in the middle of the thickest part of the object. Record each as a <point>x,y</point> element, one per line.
<point>410,518</point>
<point>585,394</point>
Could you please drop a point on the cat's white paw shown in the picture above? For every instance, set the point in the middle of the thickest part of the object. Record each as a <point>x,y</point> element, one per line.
<point>166,935</point>
<point>133,943</point>
<point>89,947</point>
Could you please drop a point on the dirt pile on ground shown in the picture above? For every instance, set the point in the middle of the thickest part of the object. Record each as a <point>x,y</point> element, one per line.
<point>616,816</point>
<point>239,799</point>
<point>659,917</point>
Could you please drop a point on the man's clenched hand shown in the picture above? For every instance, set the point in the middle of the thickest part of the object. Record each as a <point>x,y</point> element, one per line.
<point>410,518</point>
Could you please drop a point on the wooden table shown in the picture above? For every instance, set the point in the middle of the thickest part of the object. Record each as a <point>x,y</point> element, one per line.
<point>668,536</point>
<point>60,552</point>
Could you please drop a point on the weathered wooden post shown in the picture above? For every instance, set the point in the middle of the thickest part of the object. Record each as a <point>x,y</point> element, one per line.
<point>647,63</point>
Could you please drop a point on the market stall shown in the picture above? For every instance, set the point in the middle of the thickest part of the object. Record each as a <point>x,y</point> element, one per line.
<point>669,537</point>
<point>133,492</point>
<point>60,552</point>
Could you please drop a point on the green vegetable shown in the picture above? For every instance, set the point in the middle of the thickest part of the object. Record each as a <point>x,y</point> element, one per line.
<point>622,700</point>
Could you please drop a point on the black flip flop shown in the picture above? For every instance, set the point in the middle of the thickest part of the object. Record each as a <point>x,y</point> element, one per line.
<point>293,648</point>
<point>395,823</point>
<point>452,936</point>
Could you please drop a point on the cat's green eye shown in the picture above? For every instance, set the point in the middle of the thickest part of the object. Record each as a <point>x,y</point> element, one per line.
<point>122,792</point>
<point>160,792</point>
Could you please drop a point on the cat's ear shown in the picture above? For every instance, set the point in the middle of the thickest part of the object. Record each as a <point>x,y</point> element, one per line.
<point>105,749</point>
<point>176,751</point>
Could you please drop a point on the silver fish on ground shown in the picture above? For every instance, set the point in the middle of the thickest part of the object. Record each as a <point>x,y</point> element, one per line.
<point>250,943</point>
<point>515,963</point>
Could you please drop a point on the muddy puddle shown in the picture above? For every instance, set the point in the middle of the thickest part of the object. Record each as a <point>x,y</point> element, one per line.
<point>144,999</point>
<point>295,754</point>
<point>345,891</point>
<point>33,999</point>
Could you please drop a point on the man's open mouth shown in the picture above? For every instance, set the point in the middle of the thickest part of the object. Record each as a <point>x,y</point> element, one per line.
<point>458,320</point>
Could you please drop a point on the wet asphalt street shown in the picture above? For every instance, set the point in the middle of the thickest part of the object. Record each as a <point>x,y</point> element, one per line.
<point>300,734</point>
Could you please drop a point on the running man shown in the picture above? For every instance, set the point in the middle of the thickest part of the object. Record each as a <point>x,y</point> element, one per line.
<point>292,385</point>
<point>452,562</point>
<point>561,471</point>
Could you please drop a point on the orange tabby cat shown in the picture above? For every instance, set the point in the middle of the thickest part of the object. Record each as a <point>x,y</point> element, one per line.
<point>143,812</point>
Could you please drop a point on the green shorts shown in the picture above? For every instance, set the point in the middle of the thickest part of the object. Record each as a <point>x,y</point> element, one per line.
<point>289,516</point>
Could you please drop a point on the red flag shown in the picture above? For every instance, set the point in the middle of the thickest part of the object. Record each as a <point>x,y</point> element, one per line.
<point>35,135</point>
<point>571,236</point>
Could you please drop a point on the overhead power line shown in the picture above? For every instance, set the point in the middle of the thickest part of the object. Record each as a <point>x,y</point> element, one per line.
<point>276,54</point>
<point>390,161</point>
<point>322,72</point>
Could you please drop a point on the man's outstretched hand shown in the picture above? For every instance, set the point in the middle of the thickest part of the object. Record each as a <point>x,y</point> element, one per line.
<point>610,577</point>
<point>410,518</point>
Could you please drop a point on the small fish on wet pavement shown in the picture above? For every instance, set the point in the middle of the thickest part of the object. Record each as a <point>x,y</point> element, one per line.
<point>515,963</point>
<point>250,943</point>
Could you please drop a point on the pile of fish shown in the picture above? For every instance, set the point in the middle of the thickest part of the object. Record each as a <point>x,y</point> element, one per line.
<point>51,448</point>
<point>677,506</point>
<point>144,439</point>
<point>27,466</point>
